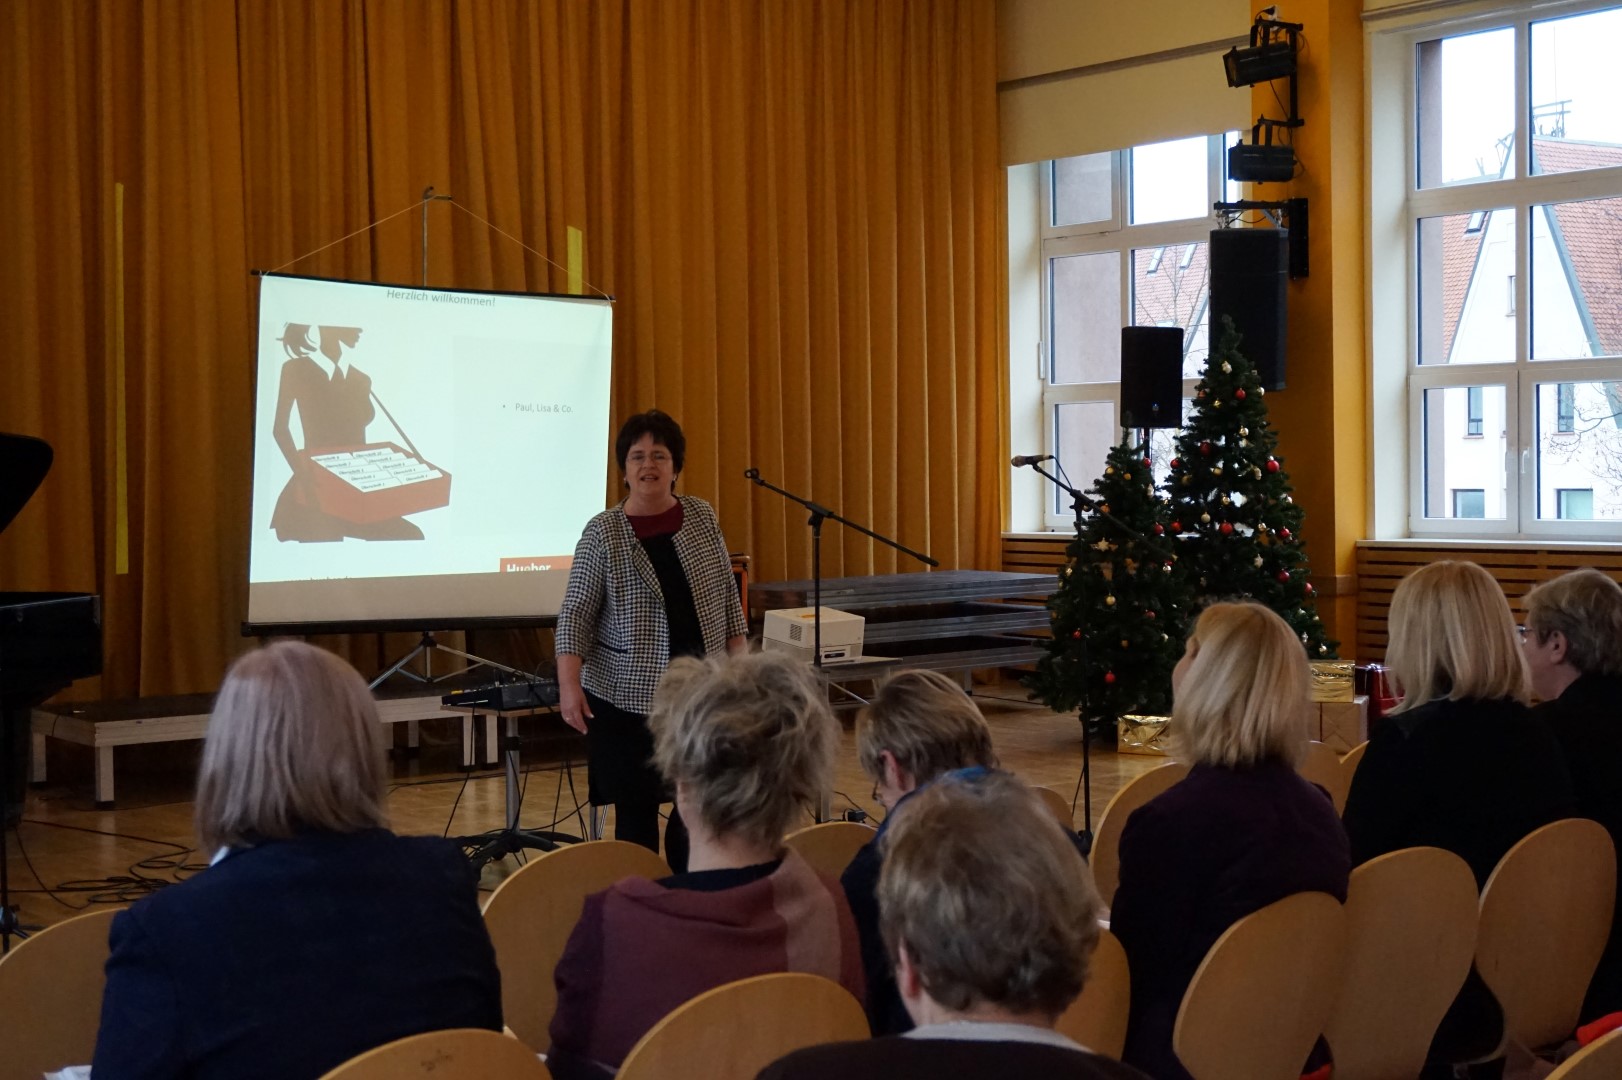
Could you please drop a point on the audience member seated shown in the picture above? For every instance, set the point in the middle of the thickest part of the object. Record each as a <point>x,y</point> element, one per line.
<point>990,918</point>
<point>919,725</point>
<point>316,933</point>
<point>747,741</point>
<point>1459,764</point>
<point>1573,644</point>
<point>1244,830</point>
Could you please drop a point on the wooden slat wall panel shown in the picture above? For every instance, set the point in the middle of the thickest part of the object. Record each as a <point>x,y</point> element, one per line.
<point>1034,555</point>
<point>1517,569</point>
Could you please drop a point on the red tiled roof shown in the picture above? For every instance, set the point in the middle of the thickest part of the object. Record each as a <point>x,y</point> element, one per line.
<point>1590,234</point>
<point>1172,293</point>
<point>1460,247</point>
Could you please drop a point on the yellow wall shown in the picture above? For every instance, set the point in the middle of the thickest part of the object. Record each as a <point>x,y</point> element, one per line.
<point>1321,415</point>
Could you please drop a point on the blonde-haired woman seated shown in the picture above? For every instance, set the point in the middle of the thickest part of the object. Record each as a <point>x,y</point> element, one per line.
<point>747,741</point>
<point>919,725</point>
<point>1241,832</point>
<point>315,933</point>
<point>1459,764</point>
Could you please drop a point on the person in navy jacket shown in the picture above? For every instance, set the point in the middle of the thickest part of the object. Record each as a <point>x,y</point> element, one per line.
<point>1243,831</point>
<point>316,933</point>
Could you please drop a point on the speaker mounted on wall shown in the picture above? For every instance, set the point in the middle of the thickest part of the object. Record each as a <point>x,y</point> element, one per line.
<point>1249,275</point>
<point>1151,376</point>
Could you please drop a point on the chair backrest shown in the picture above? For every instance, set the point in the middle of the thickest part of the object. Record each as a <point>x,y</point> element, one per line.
<point>531,915</point>
<point>1410,936</point>
<point>1097,1018</point>
<point>1105,858</point>
<point>50,996</point>
<point>1599,1060</point>
<point>734,1031</point>
<point>830,846</point>
<point>454,1054</point>
<point>1058,806</point>
<point>1348,769</point>
<point>1260,997</point>
<point>1545,916</point>
<point>1321,765</point>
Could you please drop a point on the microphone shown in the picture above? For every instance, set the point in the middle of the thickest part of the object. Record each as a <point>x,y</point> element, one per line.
<point>752,474</point>
<point>1021,460</point>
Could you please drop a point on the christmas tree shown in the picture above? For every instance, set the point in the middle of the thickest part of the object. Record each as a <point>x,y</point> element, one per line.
<point>1116,615</point>
<point>1238,529</point>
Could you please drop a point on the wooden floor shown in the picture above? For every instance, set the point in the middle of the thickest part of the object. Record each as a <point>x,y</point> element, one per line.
<point>84,856</point>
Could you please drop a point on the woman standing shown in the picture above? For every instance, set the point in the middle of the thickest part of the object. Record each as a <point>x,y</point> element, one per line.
<point>651,581</point>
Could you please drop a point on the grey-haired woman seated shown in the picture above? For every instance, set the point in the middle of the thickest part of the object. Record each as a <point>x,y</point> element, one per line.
<point>316,933</point>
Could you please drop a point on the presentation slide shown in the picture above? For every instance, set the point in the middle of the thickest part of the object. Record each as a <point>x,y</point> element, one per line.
<point>422,454</point>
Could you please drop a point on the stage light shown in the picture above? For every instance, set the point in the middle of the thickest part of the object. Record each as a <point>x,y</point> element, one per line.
<point>1261,160</point>
<point>1259,63</point>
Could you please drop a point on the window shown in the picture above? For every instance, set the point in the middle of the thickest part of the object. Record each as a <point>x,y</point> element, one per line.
<point>1576,504</point>
<point>1469,503</point>
<point>1123,243</point>
<point>1507,148</point>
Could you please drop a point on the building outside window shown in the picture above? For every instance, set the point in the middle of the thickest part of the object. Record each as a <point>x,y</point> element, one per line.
<point>1511,135</point>
<point>1123,243</point>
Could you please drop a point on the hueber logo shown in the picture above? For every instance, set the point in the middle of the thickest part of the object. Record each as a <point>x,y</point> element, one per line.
<point>530,563</point>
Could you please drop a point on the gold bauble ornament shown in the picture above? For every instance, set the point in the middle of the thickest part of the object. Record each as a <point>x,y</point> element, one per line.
<point>1216,470</point>
<point>1205,519</point>
<point>1217,404</point>
<point>1109,601</point>
<point>1243,432</point>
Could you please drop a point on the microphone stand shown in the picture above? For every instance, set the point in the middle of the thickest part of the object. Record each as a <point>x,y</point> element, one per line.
<point>1084,504</point>
<point>819,514</point>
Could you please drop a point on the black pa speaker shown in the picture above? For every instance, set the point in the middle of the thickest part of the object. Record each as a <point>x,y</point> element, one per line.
<point>1151,376</point>
<point>1249,269</point>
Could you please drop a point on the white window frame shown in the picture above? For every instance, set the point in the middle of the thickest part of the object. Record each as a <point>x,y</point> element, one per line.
<point>1116,235</point>
<point>1396,206</point>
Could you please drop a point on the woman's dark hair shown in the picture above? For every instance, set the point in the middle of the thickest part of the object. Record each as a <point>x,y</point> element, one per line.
<point>661,426</point>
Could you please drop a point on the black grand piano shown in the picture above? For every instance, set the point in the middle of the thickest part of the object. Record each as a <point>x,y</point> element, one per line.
<point>47,640</point>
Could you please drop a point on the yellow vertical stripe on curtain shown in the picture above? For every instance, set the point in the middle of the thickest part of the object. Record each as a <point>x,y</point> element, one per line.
<point>797,206</point>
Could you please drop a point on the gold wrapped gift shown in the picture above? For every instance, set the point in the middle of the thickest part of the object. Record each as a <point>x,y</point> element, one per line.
<point>1149,735</point>
<point>1332,680</point>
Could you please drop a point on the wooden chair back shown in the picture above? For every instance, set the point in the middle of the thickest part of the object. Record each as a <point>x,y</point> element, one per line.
<point>1058,806</point>
<point>1097,1019</point>
<point>1410,936</point>
<point>1545,916</point>
<point>734,1031</point>
<point>1348,768</point>
<point>1599,1060</point>
<point>1260,997</point>
<point>1321,765</point>
<point>454,1054</point>
<point>830,846</point>
<point>531,915</point>
<point>50,996</point>
<point>1106,855</point>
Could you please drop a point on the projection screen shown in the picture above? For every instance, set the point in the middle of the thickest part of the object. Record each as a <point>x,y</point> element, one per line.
<point>422,457</point>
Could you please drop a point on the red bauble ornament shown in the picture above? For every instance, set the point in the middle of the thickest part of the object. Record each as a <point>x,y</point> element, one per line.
<point>1147,463</point>
<point>1176,463</point>
<point>1226,528</point>
<point>1205,448</point>
<point>1284,575</point>
<point>1284,534</point>
<point>1076,634</point>
<point>1240,393</point>
<point>1159,528</point>
<point>1109,676</point>
<point>1177,526</point>
<point>1309,588</point>
<point>1272,464</point>
<point>1149,614</point>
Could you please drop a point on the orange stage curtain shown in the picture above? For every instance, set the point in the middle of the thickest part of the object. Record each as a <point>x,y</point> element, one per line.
<point>797,206</point>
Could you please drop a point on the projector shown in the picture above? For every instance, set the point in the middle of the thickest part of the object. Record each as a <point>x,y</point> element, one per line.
<point>791,630</point>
